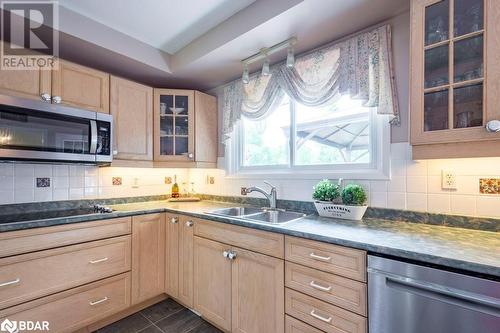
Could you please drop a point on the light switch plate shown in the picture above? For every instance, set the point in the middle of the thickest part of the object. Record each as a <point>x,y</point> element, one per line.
<point>448,180</point>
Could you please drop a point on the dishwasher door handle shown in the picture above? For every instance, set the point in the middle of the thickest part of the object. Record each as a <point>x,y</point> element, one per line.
<point>449,295</point>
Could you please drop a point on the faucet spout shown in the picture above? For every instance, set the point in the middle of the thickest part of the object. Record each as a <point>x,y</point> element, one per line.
<point>271,197</point>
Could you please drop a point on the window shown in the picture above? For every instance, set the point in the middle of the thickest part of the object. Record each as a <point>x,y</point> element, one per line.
<point>341,140</point>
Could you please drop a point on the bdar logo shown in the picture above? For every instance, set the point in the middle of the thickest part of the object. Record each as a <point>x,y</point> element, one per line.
<point>9,326</point>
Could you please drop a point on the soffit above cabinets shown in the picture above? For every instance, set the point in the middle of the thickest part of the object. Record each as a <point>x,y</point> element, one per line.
<point>198,44</point>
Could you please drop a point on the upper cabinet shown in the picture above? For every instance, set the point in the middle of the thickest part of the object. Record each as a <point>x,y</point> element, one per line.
<point>80,87</point>
<point>455,67</point>
<point>71,84</point>
<point>185,127</point>
<point>132,110</point>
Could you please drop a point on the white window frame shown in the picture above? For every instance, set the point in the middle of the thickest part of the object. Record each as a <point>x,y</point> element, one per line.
<point>377,169</point>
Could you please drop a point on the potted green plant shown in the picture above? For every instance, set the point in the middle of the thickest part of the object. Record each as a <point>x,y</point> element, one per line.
<point>352,205</point>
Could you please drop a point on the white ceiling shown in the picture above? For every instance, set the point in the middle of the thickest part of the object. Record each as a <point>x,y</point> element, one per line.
<point>166,25</point>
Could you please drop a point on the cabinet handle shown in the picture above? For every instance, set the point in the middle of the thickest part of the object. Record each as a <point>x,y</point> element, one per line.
<point>98,260</point>
<point>493,126</point>
<point>92,303</point>
<point>315,256</point>
<point>189,223</point>
<point>225,254</point>
<point>57,99</point>
<point>326,320</point>
<point>45,97</point>
<point>10,283</point>
<point>174,220</point>
<point>231,255</point>
<point>317,286</point>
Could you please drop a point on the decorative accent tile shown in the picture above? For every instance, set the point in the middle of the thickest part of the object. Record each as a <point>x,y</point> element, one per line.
<point>168,180</point>
<point>489,186</point>
<point>43,182</point>
<point>117,181</point>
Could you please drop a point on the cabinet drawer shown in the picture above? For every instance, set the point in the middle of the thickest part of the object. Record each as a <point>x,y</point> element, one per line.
<point>29,276</point>
<point>322,315</point>
<point>73,309</point>
<point>337,290</point>
<point>256,240</point>
<point>293,325</point>
<point>335,259</point>
<point>24,241</point>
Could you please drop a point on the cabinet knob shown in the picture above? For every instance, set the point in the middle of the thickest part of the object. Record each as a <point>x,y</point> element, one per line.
<point>189,223</point>
<point>174,220</point>
<point>57,99</point>
<point>190,156</point>
<point>231,255</point>
<point>45,97</point>
<point>225,254</point>
<point>493,126</point>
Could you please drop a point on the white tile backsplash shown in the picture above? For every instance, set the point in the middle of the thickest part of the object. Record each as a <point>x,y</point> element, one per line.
<point>414,185</point>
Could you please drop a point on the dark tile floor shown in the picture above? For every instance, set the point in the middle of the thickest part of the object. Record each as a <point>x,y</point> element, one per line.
<point>167,317</point>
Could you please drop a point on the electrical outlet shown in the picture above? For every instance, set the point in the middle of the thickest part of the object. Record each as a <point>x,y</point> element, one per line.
<point>448,180</point>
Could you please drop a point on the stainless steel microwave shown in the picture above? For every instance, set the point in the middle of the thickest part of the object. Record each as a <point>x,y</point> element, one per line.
<point>39,131</point>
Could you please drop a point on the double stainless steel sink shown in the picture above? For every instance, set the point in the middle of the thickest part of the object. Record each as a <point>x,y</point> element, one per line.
<point>262,215</point>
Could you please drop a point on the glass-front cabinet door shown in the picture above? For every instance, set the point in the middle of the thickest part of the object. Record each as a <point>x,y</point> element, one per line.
<point>455,65</point>
<point>174,125</point>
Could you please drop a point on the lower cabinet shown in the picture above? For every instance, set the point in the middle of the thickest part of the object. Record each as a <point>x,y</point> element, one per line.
<point>238,290</point>
<point>179,259</point>
<point>172,256</point>
<point>212,281</point>
<point>148,257</point>
<point>186,261</point>
<point>73,309</point>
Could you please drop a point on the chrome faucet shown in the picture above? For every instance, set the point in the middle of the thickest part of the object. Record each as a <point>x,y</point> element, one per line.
<point>271,197</point>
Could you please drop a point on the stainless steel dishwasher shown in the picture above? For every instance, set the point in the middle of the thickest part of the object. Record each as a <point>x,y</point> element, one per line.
<point>409,298</point>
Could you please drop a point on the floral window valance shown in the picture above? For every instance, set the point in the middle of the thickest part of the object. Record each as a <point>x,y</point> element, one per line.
<point>360,66</point>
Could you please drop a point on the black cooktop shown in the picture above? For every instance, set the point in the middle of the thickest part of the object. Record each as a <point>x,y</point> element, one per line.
<point>43,215</point>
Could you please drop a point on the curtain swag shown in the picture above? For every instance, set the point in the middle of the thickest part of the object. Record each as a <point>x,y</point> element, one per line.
<point>360,67</point>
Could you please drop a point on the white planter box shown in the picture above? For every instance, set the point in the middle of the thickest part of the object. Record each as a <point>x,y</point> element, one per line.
<point>329,209</point>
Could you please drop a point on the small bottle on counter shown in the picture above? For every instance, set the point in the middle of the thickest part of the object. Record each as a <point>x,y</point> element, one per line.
<point>175,188</point>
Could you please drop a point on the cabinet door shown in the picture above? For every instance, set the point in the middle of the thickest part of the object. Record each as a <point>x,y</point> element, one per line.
<point>186,262</point>
<point>80,87</point>
<point>26,83</point>
<point>148,256</point>
<point>206,144</point>
<point>212,282</point>
<point>132,110</point>
<point>454,70</point>
<point>174,125</point>
<point>257,293</point>
<point>172,256</point>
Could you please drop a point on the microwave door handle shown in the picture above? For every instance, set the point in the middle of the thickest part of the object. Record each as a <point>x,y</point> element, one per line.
<point>93,137</point>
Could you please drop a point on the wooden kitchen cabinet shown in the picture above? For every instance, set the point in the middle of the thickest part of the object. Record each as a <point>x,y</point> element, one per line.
<point>185,128</point>
<point>186,238</point>
<point>31,84</point>
<point>237,289</point>
<point>454,78</point>
<point>257,293</point>
<point>132,111</point>
<point>80,87</point>
<point>172,256</point>
<point>212,281</point>
<point>148,257</point>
